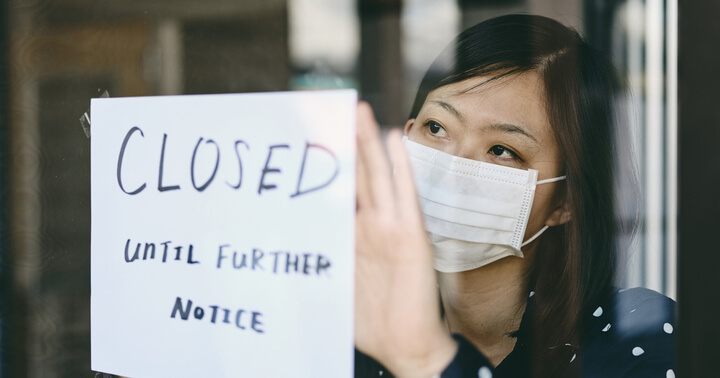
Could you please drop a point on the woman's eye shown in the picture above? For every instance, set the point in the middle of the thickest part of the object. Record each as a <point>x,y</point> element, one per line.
<point>436,129</point>
<point>503,152</point>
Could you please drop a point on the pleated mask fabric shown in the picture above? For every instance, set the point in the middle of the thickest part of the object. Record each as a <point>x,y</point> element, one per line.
<point>475,212</point>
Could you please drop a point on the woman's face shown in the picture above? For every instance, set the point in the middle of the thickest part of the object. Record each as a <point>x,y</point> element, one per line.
<point>503,122</point>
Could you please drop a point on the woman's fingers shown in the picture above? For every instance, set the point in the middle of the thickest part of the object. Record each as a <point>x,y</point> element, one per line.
<point>373,162</point>
<point>404,181</point>
<point>361,182</point>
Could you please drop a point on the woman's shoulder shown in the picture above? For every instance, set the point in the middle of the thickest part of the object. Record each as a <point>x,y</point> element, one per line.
<point>640,297</point>
<point>631,334</point>
<point>630,312</point>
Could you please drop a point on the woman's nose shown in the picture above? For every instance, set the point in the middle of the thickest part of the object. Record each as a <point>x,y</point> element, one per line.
<point>468,149</point>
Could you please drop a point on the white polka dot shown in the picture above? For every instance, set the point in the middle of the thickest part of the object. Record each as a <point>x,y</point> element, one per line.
<point>668,328</point>
<point>670,374</point>
<point>484,372</point>
<point>380,373</point>
<point>573,357</point>
<point>637,351</point>
<point>598,312</point>
<point>532,293</point>
<point>607,327</point>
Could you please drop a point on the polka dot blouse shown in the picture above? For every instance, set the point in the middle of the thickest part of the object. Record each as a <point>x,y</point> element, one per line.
<point>631,335</point>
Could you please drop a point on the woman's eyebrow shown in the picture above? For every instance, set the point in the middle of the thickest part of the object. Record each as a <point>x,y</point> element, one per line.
<point>510,128</point>
<point>450,109</point>
<point>502,127</point>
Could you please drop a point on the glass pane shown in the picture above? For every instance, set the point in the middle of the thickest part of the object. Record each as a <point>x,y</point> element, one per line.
<point>63,53</point>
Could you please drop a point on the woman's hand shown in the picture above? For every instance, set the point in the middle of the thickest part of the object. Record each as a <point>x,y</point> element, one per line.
<point>397,316</point>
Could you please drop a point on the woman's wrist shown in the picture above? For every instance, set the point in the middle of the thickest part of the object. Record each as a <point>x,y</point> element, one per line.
<point>429,363</point>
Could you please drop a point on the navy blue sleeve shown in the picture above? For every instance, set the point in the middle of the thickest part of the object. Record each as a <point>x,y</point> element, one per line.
<point>468,362</point>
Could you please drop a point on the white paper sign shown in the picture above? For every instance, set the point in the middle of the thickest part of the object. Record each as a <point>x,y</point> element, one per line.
<point>222,235</point>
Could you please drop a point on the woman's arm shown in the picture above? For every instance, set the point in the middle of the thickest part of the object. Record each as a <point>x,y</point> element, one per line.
<point>397,320</point>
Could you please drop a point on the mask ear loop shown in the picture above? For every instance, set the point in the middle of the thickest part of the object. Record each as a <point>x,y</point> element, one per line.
<point>546,181</point>
<point>535,236</point>
<point>554,179</point>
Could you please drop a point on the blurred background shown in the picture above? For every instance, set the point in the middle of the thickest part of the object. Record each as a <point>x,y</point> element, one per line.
<point>57,54</point>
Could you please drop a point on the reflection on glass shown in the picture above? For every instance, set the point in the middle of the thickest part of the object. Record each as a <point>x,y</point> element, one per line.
<point>63,53</point>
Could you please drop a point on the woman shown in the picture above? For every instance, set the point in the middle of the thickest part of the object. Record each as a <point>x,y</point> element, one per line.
<point>521,119</point>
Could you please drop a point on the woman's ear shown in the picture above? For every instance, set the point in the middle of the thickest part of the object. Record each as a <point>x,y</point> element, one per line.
<point>408,125</point>
<point>560,215</point>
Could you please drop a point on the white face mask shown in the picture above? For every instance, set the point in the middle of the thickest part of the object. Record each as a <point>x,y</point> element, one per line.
<point>475,212</point>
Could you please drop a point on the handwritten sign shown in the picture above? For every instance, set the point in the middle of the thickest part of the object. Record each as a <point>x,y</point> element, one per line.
<point>222,235</point>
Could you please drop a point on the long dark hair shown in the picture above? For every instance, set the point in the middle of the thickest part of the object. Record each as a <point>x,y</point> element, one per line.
<point>573,269</point>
